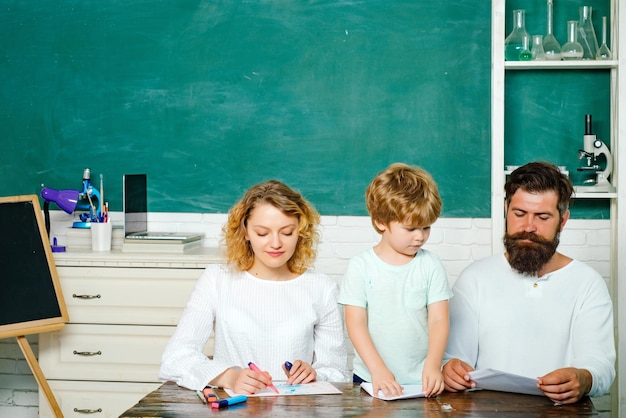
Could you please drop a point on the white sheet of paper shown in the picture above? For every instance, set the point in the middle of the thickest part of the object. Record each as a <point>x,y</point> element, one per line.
<point>491,379</point>
<point>313,388</point>
<point>408,391</point>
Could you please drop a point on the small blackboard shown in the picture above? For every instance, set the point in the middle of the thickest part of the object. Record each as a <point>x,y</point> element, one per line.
<point>31,300</point>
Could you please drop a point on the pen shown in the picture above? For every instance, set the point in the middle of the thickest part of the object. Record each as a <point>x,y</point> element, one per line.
<point>101,189</point>
<point>288,367</point>
<point>106,211</point>
<point>256,369</point>
<point>201,396</point>
<point>229,401</point>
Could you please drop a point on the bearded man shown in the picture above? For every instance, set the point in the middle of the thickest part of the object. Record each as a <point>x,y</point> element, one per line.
<point>533,311</point>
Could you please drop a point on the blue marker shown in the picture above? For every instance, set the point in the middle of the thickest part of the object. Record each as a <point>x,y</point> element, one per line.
<point>221,403</point>
<point>288,366</point>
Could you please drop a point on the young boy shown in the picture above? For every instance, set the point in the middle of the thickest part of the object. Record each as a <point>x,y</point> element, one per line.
<point>395,295</point>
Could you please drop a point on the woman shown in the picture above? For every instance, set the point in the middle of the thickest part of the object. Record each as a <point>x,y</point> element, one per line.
<point>265,305</point>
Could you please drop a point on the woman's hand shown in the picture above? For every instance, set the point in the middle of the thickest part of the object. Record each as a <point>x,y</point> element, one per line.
<point>301,372</point>
<point>243,381</point>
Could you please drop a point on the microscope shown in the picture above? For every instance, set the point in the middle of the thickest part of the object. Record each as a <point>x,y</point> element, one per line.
<point>87,199</point>
<point>592,149</point>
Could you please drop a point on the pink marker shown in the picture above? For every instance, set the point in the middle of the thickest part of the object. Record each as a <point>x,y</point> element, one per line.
<point>256,369</point>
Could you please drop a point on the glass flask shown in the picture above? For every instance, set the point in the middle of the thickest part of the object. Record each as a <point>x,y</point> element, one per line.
<point>586,35</point>
<point>537,51</point>
<point>514,43</point>
<point>604,53</point>
<point>551,47</point>
<point>525,54</point>
<point>572,50</point>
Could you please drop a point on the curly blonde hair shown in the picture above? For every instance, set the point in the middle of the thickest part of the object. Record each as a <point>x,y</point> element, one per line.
<point>238,250</point>
<point>405,194</point>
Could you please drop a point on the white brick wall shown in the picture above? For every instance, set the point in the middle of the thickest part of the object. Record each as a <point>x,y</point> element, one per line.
<point>457,241</point>
<point>18,387</point>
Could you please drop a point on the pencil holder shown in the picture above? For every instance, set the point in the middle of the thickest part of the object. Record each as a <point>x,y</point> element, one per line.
<point>101,236</point>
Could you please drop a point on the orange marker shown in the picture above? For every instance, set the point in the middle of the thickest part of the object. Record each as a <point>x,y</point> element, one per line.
<point>210,395</point>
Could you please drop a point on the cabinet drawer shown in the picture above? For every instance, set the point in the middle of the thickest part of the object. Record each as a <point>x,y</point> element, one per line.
<point>93,399</point>
<point>105,352</point>
<point>142,296</point>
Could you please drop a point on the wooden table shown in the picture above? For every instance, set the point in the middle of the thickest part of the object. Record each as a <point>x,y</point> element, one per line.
<point>171,401</point>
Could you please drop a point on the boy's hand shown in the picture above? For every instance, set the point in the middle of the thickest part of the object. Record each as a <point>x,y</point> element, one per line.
<point>385,380</point>
<point>432,381</point>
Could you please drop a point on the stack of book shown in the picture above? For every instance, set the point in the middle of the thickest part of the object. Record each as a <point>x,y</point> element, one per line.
<point>80,238</point>
<point>161,246</point>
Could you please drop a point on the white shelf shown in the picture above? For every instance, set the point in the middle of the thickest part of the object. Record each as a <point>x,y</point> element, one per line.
<point>598,195</point>
<point>560,65</point>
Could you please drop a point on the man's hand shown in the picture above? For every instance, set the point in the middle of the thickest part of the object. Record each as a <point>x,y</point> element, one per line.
<point>456,377</point>
<point>565,385</point>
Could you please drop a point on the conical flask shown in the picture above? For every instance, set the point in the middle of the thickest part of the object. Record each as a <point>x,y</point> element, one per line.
<point>514,43</point>
<point>551,47</point>
<point>537,51</point>
<point>586,35</point>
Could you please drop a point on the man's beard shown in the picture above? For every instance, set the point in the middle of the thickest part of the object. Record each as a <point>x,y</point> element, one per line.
<point>529,257</point>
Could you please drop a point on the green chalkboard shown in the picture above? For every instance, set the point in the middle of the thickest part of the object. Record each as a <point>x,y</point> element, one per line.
<point>210,97</point>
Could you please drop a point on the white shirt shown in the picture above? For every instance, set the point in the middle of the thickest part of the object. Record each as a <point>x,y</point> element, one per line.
<point>261,321</point>
<point>531,326</point>
<point>396,299</point>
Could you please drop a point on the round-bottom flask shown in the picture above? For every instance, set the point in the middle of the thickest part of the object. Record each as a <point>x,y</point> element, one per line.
<point>572,50</point>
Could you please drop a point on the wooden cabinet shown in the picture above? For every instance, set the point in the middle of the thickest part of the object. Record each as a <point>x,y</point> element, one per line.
<point>123,309</point>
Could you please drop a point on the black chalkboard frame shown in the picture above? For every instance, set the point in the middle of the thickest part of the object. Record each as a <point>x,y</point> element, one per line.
<point>33,304</point>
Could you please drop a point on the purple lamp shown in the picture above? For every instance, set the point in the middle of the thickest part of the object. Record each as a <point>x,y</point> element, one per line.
<point>64,199</point>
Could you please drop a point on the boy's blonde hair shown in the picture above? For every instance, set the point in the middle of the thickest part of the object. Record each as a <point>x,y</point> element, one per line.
<point>404,194</point>
<point>238,250</point>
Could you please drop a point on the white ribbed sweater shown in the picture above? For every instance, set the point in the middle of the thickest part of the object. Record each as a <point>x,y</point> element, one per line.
<point>263,321</point>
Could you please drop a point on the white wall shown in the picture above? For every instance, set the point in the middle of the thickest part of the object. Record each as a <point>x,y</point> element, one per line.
<point>457,241</point>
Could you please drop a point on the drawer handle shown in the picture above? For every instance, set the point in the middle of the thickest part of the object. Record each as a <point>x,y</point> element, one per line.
<point>88,411</point>
<point>87,353</point>
<point>85,296</point>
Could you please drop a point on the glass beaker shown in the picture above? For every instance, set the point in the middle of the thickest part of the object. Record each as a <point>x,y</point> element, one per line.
<point>604,53</point>
<point>514,43</point>
<point>586,35</point>
<point>572,50</point>
<point>537,51</point>
<point>551,46</point>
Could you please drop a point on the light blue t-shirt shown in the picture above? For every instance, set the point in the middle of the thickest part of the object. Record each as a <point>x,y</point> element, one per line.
<point>396,299</point>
